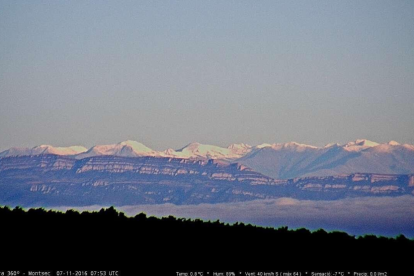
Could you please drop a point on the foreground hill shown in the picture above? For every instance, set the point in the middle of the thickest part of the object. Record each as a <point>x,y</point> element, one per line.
<point>53,180</point>
<point>140,245</point>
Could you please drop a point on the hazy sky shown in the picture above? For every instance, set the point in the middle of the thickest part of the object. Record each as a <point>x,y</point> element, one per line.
<point>167,73</point>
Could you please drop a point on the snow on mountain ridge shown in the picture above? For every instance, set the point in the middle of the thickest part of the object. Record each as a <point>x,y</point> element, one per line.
<point>43,149</point>
<point>264,145</point>
<point>127,148</point>
<point>393,143</point>
<point>360,144</point>
<point>290,146</point>
<point>136,146</point>
<point>360,156</point>
<point>72,150</point>
<point>330,145</point>
<point>196,150</point>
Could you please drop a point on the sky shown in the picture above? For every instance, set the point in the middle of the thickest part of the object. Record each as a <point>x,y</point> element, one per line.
<point>167,73</point>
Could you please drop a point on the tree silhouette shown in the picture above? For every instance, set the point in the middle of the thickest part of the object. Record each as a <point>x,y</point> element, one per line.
<point>108,239</point>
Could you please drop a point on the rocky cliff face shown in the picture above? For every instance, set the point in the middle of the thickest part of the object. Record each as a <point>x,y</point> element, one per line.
<point>358,184</point>
<point>50,180</point>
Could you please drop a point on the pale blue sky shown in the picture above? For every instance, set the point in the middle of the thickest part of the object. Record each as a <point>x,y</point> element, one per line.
<point>167,73</point>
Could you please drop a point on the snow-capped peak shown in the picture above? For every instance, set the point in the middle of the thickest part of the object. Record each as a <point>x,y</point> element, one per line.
<point>264,145</point>
<point>127,148</point>
<point>366,143</point>
<point>289,145</point>
<point>136,146</point>
<point>393,143</point>
<point>72,150</point>
<point>298,145</point>
<point>197,150</point>
<point>331,145</point>
<point>43,149</point>
<point>360,144</point>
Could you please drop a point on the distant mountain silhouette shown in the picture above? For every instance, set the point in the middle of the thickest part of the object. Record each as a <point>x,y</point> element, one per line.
<point>144,245</point>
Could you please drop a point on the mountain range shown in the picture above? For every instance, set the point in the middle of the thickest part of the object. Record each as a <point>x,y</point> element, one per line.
<point>278,161</point>
<point>53,180</point>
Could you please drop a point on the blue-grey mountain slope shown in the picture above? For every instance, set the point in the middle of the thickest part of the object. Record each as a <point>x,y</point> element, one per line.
<point>294,160</point>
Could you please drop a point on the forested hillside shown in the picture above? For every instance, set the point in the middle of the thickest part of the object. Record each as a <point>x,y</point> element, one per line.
<point>107,239</point>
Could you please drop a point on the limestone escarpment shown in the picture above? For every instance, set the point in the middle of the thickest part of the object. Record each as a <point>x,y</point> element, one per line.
<point>60,180</point>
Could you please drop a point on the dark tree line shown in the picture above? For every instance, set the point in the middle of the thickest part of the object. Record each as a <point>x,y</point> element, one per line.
<point>107,239</point>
